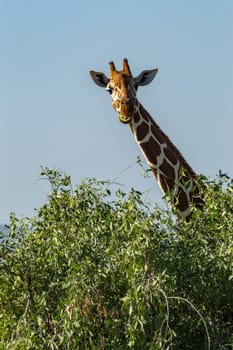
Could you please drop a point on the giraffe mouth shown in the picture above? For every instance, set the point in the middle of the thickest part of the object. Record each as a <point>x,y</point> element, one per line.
<point>125,119</point>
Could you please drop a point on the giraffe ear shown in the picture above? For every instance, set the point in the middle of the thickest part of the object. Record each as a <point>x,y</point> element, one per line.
<point>145,77</point>
<point>99,78</point>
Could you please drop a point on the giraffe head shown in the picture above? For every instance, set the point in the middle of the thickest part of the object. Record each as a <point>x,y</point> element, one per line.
<point>122,87</point>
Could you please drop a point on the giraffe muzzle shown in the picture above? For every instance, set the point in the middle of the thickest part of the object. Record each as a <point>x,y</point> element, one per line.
<point>124,119</point>
<point>127,110</point>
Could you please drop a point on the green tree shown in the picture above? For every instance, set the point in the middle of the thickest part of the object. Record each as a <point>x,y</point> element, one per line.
<point>101,270</point>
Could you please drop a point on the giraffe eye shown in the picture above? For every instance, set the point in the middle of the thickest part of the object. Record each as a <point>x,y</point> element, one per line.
<point>109,90</point>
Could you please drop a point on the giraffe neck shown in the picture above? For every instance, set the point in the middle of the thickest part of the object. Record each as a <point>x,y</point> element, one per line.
<point>173,174</point>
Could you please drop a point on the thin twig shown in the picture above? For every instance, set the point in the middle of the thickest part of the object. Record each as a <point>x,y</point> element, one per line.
<point>168,312</point>
<point>199,314</point>
<point>121,172</point>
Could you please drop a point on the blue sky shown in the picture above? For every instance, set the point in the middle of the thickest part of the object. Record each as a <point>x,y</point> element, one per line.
<point>53,115</point>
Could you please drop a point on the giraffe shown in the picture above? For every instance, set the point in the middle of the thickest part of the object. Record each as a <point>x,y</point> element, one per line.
<point>172,172</point>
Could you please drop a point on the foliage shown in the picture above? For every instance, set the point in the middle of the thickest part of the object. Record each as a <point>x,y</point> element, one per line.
<point>96,270</point>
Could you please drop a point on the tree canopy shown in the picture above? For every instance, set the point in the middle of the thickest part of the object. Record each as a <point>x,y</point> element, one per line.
<point>98,269</point>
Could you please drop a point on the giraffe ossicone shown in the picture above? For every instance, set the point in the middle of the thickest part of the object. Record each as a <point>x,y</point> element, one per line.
<point>173,174</point>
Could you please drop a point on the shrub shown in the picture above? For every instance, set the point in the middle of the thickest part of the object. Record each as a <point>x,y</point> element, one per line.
<point>96,270</point>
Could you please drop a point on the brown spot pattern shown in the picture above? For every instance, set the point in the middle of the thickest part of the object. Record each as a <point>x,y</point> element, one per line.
<point>136,118</point>
<point>142,131</point>
<point>151,149</point>
<point>183,203</point>
<point>157,133</point>
<point>169,172</point>
<point>170,155</point>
